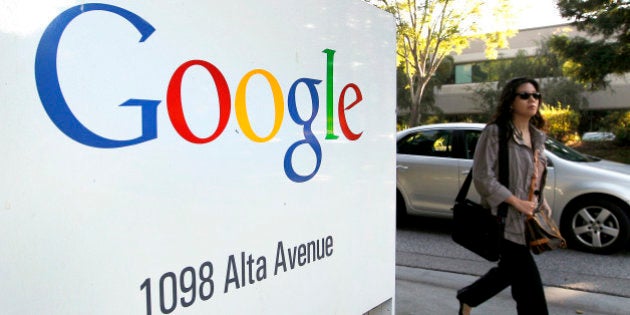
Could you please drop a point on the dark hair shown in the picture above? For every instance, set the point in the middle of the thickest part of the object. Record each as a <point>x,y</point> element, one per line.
<point>503,114</point>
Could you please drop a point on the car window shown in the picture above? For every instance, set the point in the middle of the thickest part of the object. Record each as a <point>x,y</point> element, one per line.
<point>472,136</point>
<point>564,152</point>
<point>470,142</point>
<point>427,143</point>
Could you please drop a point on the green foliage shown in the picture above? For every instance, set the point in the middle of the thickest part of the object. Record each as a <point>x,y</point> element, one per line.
<point>590,61</point>
<point>604,149</point>
<point>620,122</point>
<point>403,99</point>
<point>599,17</point>
<point>434,119</point>
<point>564,91</point>
<point>442,76</point>
<point>562,122</point>
<point>401,126</point>
<point>543,65</point>
<point>429,31</point>
<point>485,96</point>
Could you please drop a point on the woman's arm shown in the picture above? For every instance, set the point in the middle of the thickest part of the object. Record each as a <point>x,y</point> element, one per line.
<point>486,179</point>
<point>524,206</point>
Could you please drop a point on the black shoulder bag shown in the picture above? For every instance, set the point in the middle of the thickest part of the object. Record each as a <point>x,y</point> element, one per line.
<point>474,227</point>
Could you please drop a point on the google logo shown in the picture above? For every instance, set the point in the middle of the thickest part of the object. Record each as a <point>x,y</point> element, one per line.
<point>58,110</point>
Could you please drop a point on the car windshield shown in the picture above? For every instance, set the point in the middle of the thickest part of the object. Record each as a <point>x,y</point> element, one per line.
<point>562,151</point>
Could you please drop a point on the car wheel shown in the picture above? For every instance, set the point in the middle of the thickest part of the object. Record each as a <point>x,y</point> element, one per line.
<point>401,210</point>
<point>596,225</point>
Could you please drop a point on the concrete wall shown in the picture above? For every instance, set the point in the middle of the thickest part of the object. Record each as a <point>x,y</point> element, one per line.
<point>457,98</point>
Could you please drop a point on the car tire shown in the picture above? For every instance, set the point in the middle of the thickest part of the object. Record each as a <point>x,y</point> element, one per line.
<point>596,225</point>
<point>401,210</point>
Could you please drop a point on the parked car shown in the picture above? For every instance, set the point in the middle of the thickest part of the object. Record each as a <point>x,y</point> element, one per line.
<point>598,136</point>
<point>590,197</point>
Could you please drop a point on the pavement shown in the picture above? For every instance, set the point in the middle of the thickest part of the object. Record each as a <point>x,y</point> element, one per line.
<point>424,291</point>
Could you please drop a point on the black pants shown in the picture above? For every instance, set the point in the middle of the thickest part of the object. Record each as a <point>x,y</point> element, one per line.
<point>516,268</point>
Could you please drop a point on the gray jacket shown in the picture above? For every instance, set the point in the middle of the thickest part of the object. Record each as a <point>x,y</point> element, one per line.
<point>521,168</point>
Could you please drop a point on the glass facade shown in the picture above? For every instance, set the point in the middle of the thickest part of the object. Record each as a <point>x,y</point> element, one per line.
<point>463,73</point>
<point>477,72</point>
<point>488,70</point>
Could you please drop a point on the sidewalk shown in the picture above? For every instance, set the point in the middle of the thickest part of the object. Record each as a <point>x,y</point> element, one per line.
<point>422,291</point>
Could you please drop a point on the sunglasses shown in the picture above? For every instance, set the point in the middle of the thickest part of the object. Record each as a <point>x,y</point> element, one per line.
<point>525,95</point>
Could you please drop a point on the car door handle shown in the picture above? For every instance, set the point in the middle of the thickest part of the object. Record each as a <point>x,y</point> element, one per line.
<point>402,167</point>
<point>465,172</point>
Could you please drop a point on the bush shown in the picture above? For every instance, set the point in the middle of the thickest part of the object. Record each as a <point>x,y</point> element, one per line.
<point>620,126</point>
<point>562,122</point>
<point>433,119</point>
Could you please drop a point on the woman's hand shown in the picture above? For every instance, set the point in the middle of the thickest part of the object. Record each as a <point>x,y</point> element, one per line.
<point>524,206</point>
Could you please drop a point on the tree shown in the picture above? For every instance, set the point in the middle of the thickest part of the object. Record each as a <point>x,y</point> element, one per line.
<point>590,61</point>
<point>543,65</point>
<point>443,75</point>
<point>430,30</point>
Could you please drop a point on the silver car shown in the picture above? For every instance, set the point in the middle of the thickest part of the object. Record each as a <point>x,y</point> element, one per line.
<point>590,197</point>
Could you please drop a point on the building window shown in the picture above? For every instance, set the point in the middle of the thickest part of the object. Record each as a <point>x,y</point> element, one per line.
<point>473,72</point>
<point>463,74</point>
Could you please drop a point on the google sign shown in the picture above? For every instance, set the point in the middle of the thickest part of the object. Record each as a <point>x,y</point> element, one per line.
<point>59,111</point>
<point>197,157</point>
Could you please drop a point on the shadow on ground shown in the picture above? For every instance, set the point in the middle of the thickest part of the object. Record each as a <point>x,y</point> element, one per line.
<point>426,224</point>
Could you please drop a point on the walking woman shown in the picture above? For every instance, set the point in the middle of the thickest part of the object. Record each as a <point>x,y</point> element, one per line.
<point>518,114</point>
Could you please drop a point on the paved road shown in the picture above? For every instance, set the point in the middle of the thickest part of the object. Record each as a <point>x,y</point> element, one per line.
<point>423,291</point>
<point>426,244</point>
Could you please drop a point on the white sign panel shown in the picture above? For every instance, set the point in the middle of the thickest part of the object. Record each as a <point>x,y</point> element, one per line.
<point>196,157</point>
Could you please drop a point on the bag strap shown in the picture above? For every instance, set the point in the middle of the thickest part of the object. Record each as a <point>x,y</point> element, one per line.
<point>461,196</point>
<point>504,174</point>
<point>504,170</point>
